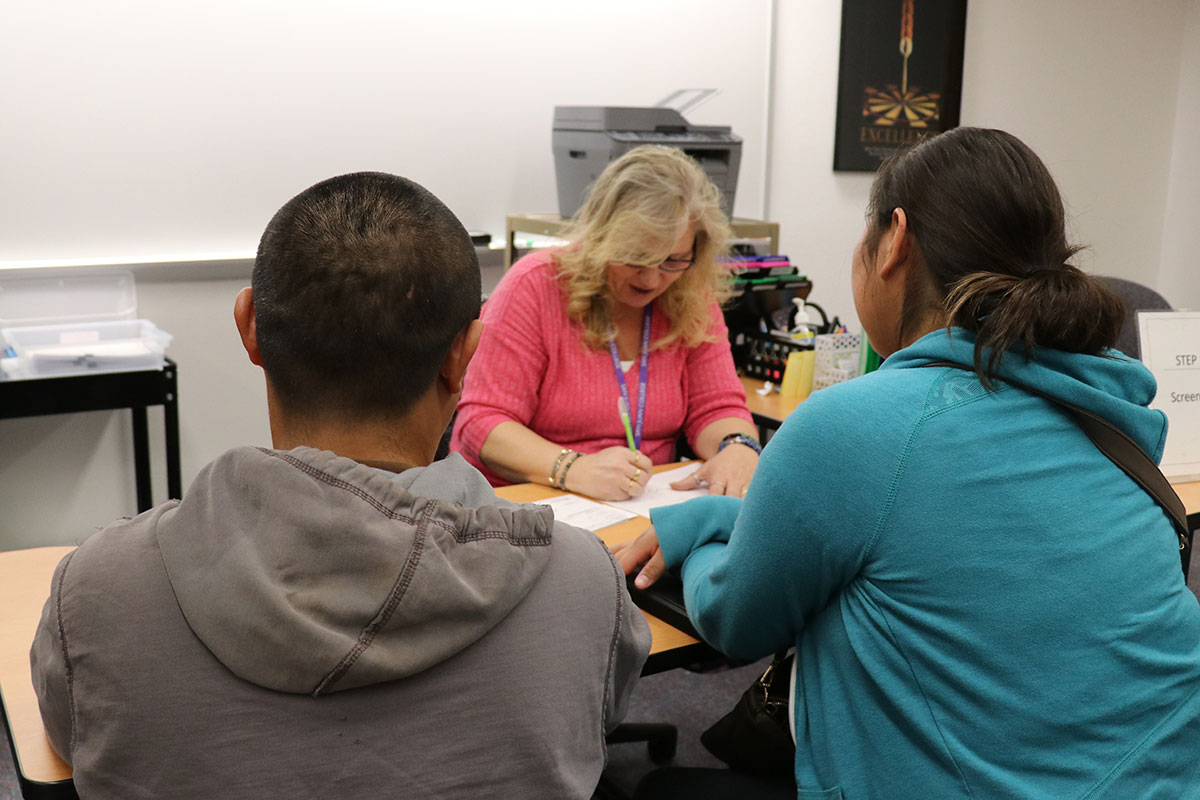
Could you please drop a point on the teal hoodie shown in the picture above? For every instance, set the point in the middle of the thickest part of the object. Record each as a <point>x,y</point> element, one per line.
<point>983,605</point>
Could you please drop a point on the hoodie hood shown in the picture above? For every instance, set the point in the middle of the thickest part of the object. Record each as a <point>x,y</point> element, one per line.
<point>1111,385</point>
<point>308,573</point>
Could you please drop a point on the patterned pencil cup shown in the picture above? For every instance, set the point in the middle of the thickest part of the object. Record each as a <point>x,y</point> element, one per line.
<point>837,357</point>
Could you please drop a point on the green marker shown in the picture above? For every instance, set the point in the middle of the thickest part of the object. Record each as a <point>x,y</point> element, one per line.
<point>623,410</point>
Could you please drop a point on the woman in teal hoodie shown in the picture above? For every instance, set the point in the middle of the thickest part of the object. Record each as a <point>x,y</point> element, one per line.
<point>982,604</point>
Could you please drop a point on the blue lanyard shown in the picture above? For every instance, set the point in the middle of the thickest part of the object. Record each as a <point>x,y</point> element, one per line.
<point>643,376</point>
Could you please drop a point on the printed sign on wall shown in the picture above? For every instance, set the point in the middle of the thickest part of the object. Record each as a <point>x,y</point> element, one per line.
<point>1170,343</point>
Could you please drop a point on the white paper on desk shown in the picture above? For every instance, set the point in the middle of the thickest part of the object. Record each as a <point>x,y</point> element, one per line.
<point>659,492</point>
<point>583,513</point>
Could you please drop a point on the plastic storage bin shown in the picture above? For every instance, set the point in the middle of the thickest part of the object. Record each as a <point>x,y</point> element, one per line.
<point>76,324</point>
<point>836,358</point>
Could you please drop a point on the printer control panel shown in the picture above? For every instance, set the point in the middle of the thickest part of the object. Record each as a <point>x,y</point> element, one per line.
<point>674,137</point>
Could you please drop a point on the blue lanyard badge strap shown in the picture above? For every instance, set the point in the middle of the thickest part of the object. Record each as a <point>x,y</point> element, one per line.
<point>643,376</point>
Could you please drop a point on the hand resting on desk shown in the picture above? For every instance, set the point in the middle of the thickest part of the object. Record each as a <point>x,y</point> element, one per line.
<point>642,550</point>
<point>728,472</point>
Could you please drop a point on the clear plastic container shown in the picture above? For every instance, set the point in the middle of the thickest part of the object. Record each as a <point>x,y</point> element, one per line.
<point>63,299</point>
<point>75,323</point>
<point>90,347</point>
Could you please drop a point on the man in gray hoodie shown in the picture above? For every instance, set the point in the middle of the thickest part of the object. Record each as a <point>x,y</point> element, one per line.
<point>341,616</point>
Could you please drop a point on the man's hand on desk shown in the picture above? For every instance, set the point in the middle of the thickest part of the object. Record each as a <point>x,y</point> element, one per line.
<point>642,550</point>
<point>728,472</point>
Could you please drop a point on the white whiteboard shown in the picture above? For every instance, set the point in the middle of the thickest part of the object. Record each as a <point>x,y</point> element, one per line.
<point>147,130</point>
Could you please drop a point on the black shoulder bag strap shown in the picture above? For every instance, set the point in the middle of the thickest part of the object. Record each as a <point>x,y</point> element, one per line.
<point>1125,453</point>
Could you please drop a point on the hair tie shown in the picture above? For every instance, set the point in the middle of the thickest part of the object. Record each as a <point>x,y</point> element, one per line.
<point>1063,269</point>
<point>1041,272</point>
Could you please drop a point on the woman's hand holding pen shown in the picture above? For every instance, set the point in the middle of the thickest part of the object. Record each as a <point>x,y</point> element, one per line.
<point>614,473</point>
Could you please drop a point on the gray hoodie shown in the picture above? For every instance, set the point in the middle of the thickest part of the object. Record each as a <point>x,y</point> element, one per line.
<point>303,625</point>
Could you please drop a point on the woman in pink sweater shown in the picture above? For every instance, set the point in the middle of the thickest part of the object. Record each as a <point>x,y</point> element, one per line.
<point>628,313</point>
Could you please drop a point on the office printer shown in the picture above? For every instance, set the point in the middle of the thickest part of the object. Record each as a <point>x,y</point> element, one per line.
<point>587,138</point>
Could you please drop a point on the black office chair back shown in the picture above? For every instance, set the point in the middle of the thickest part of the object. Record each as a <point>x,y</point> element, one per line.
<point>1137,298</point>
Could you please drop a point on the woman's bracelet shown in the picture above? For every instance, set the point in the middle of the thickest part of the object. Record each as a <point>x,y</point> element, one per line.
<point>562,478</point>
<point>740,438</point>
<point>557,463</point>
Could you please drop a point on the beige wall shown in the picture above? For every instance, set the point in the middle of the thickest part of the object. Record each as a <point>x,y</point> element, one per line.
<point>1179,279</point>
<point>1092,87</point>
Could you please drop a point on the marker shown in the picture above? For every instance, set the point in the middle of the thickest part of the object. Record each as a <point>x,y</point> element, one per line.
<point>623,410</point>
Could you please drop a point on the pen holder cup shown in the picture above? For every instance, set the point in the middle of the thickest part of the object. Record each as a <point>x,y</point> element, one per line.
<point>798,376</point>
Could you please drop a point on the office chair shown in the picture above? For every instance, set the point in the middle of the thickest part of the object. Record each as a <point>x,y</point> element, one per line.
<point>661,739</point>
<point>1137,298</point>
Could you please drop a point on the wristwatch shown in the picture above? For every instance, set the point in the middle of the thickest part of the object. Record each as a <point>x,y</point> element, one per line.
<point>740,438</point>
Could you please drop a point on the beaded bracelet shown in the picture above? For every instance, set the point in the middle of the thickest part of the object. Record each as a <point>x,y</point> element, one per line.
<point>562,479</point>
<point>557,463</point>
<point>740,438</point>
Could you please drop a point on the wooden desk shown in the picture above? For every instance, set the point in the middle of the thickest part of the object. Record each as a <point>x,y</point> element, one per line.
<point>1189,493</point>
<point>670,647</point>
<point>770,410</point>
<point>554,225</point>
<point>24,586</point>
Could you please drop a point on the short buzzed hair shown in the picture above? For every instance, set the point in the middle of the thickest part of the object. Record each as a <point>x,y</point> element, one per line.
<point>361,284</point>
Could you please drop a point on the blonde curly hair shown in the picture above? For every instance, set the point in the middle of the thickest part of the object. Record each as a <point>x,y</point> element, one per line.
<point>634,213</point>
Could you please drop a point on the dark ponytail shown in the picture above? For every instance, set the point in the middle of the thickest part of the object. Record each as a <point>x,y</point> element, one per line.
<point>1064,309</point>
<point>988,222</point>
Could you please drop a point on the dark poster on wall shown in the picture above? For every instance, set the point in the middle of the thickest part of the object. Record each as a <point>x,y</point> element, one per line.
<point>899,76</point>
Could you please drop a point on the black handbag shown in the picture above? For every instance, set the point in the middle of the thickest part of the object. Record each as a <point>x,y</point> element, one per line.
<point>755,736</point>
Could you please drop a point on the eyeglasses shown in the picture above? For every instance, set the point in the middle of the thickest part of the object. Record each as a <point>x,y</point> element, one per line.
<point>667,265</point>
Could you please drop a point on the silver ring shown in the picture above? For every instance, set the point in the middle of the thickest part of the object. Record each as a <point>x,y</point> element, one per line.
<point>717,483</point>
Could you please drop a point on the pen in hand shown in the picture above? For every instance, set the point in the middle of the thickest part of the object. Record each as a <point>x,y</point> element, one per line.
<point>623,410</point>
